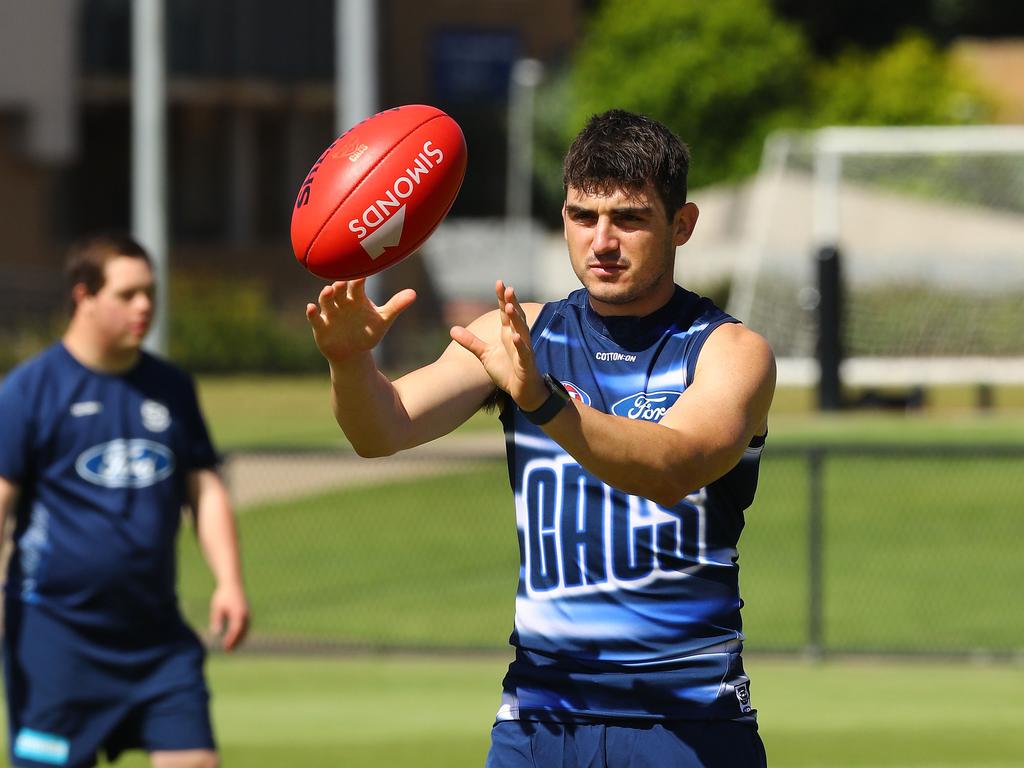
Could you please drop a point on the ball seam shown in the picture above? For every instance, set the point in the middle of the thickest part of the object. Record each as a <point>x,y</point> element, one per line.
<point>352,191</point>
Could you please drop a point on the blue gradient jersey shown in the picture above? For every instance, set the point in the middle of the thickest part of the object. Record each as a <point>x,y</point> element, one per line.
<point>101,462</point>
<point>625,609</point>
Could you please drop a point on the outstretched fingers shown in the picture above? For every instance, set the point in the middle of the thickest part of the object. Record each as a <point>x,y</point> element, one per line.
<point>397,304</point>
<point>329,296</point>
<point>355,290</point>
<point>318,314</point>
<point>468,340</point>
<point>314,317</point>
<point>500,289</point>
<point>514,316</point>
<point>514,310</point>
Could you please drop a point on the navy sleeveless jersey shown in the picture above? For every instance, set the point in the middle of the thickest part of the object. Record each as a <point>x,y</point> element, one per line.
<point>625,609</point>
<point>101,461</point>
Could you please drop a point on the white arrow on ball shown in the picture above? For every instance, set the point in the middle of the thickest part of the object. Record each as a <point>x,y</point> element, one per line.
<point>387,236</point>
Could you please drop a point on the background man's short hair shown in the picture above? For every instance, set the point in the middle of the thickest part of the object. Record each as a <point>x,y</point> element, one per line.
<point>88,257</point>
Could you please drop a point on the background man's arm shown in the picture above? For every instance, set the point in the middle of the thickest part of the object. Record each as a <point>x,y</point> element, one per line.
<point>8,501</point>
<point>218,538</point>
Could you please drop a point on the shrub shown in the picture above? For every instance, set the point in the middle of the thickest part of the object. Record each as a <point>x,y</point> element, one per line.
<point>222,325</point>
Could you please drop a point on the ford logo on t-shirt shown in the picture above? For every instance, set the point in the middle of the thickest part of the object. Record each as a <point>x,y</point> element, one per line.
<point>126,464</point>
<point>646,406</point>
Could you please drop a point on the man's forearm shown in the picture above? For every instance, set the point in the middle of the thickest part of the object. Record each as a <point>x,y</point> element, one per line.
<point>367,407</point>
<point>8,501</point>
<point>638,457</point>
<point>219,541</point>
<point>217,533</point>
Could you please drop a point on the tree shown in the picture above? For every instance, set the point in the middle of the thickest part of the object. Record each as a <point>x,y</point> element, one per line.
<point>912,82</point>
<point>723,75</point>
<point>834,26</point>
<point>720,74</point>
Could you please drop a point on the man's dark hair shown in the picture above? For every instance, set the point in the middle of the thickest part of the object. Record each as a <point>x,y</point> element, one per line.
<point>87,259</point>
<point>623,150</point>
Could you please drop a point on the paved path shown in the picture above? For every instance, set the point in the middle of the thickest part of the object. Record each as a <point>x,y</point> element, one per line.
<point>263,476</point>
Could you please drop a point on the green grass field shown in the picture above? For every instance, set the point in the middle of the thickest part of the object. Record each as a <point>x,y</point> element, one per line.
<point>369,566</point>
<point>373,712</point>
<point>370,547</point>
<point>293,411</point>
<point>431,563</point>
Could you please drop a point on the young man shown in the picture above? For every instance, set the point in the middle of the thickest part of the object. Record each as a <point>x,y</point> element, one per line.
<point>102,445</point>
<point>634,415</point>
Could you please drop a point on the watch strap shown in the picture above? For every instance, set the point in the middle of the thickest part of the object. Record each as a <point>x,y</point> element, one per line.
<point>556,400</point>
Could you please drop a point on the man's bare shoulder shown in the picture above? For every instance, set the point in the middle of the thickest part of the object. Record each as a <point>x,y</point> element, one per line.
<point>735,358</point>
<point>738,343</point>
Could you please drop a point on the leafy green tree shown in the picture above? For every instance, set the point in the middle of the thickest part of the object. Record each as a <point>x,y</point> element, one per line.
<point>912,82</point>
<point>715,72</point>
<point>875,24</point>
<point>724,74</point>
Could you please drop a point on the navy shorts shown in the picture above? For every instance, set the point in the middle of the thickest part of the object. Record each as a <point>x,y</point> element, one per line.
<point>73,692</point>
<point>675,744</point>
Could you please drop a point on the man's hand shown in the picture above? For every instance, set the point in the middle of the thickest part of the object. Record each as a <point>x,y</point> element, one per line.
<point>347,324</point>
<point>509,362</point>
<point>229,616</point>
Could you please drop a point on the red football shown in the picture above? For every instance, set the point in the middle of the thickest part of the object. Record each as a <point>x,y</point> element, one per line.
<point>377,192</point>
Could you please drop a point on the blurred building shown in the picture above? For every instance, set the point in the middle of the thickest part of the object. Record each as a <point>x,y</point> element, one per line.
<point>250,106</point>
<point>999,65</point>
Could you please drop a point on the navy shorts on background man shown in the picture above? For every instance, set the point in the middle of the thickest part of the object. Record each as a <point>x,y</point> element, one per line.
<point>90,691</point>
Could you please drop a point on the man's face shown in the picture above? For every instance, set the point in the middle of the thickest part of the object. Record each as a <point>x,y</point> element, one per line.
<point>622,247</point>
<point>121,312</point>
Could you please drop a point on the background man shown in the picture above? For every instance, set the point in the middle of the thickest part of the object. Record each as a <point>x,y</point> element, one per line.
<point>101,445</point>
<point>634,414</point>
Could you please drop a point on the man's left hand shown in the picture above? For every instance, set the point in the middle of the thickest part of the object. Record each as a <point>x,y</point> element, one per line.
<point>509,362</point>
<point>229,616</point>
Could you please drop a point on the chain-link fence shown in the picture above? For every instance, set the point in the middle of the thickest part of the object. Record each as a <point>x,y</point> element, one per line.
<point>847,549</point>
<point>886,549</point>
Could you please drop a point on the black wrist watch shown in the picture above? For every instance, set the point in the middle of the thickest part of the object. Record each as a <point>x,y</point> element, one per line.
<point>556,401</point>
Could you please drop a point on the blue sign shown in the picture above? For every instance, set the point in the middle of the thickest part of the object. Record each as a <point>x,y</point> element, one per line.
<point>474,65</point>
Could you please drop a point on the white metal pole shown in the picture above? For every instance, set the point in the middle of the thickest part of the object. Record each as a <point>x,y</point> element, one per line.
<point>828,169</point>
<point>355,83</point>
<point>149,170</point>
<point>766,190</point>
<point>356,62</point>
<point>526,75</point>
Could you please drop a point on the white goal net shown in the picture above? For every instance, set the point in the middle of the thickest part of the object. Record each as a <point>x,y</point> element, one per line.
<point>929,223</point>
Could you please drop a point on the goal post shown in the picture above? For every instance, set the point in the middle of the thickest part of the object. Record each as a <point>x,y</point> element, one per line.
<point>922,228</point>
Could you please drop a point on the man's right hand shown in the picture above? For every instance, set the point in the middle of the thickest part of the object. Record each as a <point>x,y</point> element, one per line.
<point>347,324</point>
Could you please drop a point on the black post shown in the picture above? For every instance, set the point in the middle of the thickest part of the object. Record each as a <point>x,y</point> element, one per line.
<point>986,396</point>
<point>830,313</point>
<point>815,554</point>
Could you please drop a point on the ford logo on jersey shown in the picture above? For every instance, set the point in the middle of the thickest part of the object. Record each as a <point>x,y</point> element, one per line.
<point>646,406</point>
<point>126,464</point>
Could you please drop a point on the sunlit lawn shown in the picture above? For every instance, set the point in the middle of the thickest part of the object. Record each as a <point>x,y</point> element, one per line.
<point>433,712</point>
<point>295,411</point>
